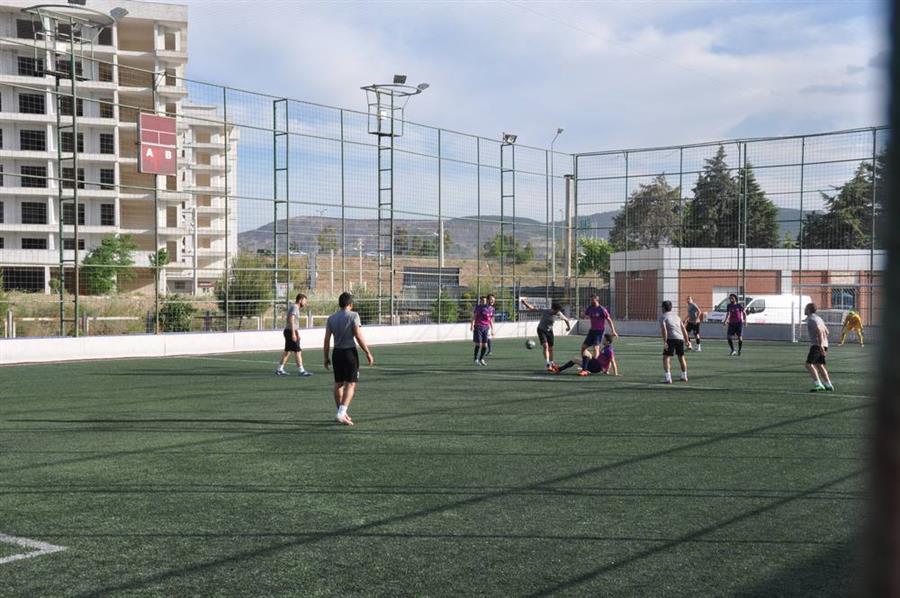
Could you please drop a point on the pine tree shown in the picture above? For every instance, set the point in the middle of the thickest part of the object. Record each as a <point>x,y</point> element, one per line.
<point>762,220</point>
<point>711,218</point>
<point>652,217</point>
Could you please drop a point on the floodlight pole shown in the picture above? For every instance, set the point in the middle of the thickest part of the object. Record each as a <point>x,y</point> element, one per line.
<point>552,211</point>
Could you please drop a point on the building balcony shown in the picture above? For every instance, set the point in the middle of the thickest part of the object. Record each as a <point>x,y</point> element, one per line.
<point>172,56</point>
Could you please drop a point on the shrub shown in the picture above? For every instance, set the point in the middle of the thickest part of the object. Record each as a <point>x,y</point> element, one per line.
<point>176,314</point>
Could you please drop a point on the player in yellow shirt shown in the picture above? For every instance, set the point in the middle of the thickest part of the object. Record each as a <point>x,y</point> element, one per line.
<point>853,323</point>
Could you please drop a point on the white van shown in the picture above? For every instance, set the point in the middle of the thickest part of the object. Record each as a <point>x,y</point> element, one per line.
<point>766,309</point>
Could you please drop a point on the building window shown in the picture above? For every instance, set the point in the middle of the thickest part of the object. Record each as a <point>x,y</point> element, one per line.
<point>64,66</point>
<point>106,108</point>
<point>107,143</point>
<point>34,212</point>
<point>68,178</point>
<point>1,138</point>
<point>107,214</point>
<point>34,243</point>
<point>107,178</point>
<point>105,37</point>
<point>66,142</point>
<point>34,176</point>
<point>1,184</point>
<point>65,106</point>
<point>69,244</point>
<point>843,297</point>
<point>28,29</point>
<point>105,72</point>
<point>1,212</point>
<point>33,140</point>
<point>1,242</point>
<point>69,211</point>
<point>32,103</point>
<point>30,67</point>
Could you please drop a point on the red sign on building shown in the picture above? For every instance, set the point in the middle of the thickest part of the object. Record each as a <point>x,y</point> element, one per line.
<point>158,143</point>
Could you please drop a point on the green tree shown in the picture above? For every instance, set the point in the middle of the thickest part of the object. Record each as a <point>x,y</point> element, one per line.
<point>510,248</point>
<point>444,309</point>
<point>593,256</point>
<point>652,217</point>
<point>249,285</point>
<point>160,258</point>
<point>109,265</point>
<point>328,239</point>
<point>711,217</point>
<point>176,314</point>
<point>847,221</point>
<point>762,215</point>
<point>401,241</point>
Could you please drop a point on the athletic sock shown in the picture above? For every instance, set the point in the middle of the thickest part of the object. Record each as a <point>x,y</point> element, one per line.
<point>342,410</point>
<point>483,351</point>
<point>567,365</point>
<point>584,363</point>
<point>740,346</point>
<point>667,376</point>
<point>731,344</point>
<point>548,362</point>
<point>490,346</point>
<point>477,349</point>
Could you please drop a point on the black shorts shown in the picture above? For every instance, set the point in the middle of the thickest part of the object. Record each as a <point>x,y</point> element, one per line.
<point>545,337</point>
<point>345,363</point>
<point>816,355</point>
<point>674,347</point>
<point>289,343</point>
<point>735,330</point>
<point>692,327</point>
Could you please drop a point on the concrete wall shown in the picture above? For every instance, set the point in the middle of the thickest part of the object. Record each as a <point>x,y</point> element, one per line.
<point>34,350</point>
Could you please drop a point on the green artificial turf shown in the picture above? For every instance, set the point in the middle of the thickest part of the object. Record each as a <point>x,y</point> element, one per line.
<point>210,475</point>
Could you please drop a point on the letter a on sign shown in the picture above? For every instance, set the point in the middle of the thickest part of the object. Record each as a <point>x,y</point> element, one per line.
<point>157,133</point>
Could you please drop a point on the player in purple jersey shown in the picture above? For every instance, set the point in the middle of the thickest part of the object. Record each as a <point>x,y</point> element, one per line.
<point>482,325</point>
<point>601,364</point>
<point>599,318</point>
<point>735,319</point>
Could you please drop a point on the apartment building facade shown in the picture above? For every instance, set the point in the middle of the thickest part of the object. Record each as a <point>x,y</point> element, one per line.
<point>136,65</point>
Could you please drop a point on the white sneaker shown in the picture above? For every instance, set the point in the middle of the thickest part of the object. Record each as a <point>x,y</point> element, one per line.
<point>684,378</point>
<point>666,381</point>
<point>734,353</point>
<point>699,349</point>
<point>477,362</point>
<point>305,373</point>
<point>280,373</point>
<point>482,362</point>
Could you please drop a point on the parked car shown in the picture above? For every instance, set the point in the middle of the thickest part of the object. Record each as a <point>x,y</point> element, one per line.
<point>766,309</point>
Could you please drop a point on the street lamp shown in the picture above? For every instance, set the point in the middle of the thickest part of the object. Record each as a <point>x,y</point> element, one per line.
<point>559,131</point>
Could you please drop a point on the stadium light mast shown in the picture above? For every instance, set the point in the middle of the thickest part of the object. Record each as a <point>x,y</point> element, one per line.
<point>386,102</point>
<point>559,131</point>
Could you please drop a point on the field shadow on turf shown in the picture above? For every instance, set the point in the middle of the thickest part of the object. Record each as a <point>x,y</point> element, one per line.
<point>828,573</point>
<point>564,586</point>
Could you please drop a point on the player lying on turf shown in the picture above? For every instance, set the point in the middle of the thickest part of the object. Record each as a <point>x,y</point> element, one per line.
<point>545,328</point>
<point>604,361</point>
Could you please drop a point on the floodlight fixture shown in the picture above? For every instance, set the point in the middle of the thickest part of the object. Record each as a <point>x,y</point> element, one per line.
<point>399,79</point>
<point>509,138</point>
<point>559,130</point>
<point>118,12</point>
<point>422,86</point>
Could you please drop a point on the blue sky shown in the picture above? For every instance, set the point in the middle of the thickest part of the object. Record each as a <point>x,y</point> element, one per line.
<point>614,74</point>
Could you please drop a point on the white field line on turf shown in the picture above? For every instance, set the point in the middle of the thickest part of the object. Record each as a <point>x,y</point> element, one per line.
<point>40,548</point>
<point>546,378</point>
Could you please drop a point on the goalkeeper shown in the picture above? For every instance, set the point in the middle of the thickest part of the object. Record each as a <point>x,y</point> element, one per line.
<point>853,323</point>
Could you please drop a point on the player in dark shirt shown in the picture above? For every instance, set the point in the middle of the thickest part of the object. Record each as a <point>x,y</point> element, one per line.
<point>735,320</point>
<point>603,363</point>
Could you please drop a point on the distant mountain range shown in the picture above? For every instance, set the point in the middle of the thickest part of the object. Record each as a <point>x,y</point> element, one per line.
<point>463,232</point>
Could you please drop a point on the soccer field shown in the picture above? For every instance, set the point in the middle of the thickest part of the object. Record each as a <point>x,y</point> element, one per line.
<point>210,475</point>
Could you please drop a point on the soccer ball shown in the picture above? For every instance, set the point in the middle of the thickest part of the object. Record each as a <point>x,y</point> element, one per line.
<point>529,344</point>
